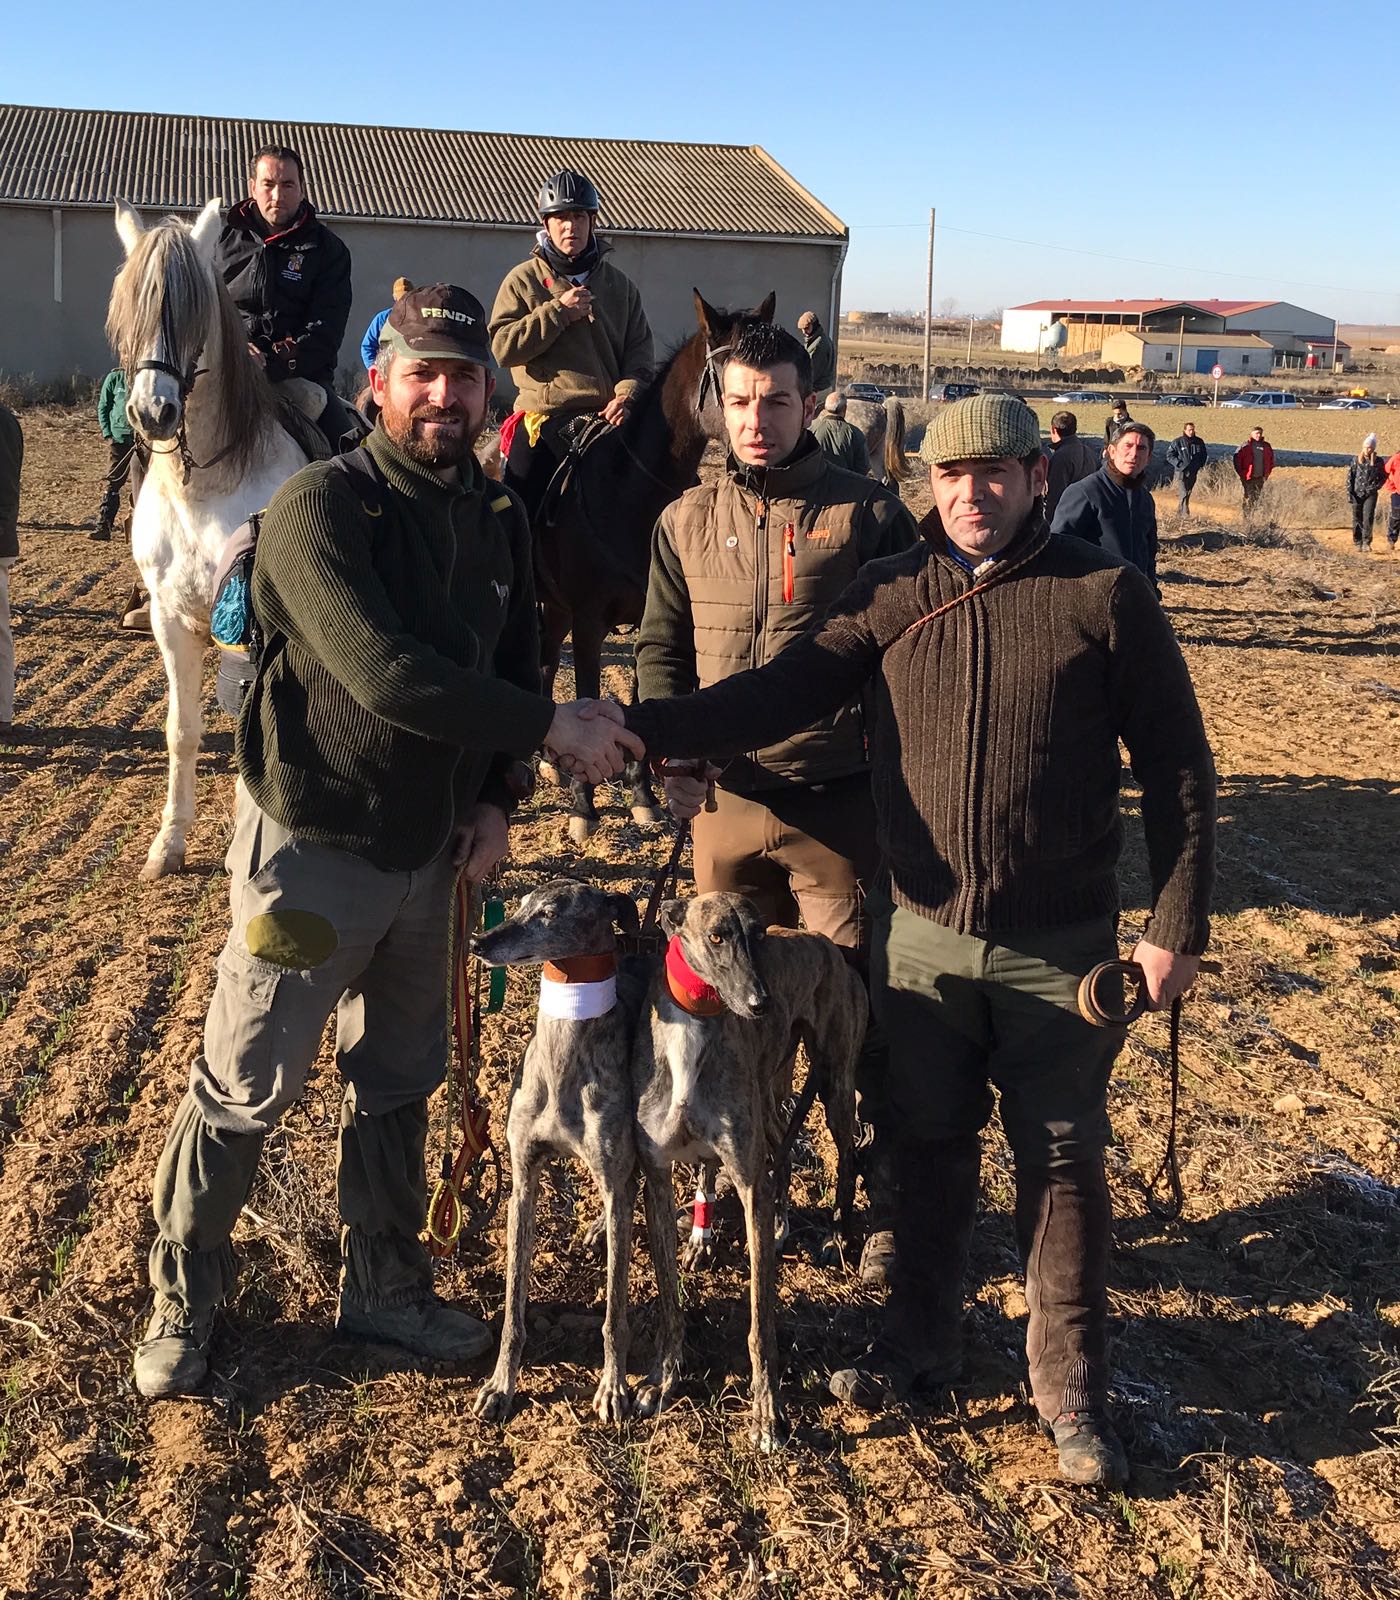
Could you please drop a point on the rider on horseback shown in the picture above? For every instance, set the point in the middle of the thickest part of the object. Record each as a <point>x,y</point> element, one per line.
<point>289,276</point>
<point>571,328</point>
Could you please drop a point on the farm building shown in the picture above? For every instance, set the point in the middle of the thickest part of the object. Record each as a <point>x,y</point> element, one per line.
<point>1287,328</point>
<point>426,203</point>
<point>1243,353</point>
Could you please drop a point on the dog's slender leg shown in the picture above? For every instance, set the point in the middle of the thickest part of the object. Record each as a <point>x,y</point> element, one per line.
<point>613,1400</point>
<point>699,1247</point>
<point>768,1430</point>
<point>493,1399</point>
<point>660,1385</point>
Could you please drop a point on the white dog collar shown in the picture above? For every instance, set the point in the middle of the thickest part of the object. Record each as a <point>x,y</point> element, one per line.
<point>577,1002</point>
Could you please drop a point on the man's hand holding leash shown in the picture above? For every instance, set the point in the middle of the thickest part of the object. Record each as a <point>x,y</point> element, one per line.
<point>481,841</point>
<point>689,787</point>
<point>1168,973</point>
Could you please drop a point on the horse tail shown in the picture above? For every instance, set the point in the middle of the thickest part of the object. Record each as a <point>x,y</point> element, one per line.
<point>896,462</point>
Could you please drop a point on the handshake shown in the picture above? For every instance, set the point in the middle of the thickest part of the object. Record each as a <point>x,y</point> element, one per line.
<point>588,740</point>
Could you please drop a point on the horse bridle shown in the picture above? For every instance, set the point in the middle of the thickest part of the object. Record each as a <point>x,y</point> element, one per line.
<point>711,376</point>
<point>186,380</point>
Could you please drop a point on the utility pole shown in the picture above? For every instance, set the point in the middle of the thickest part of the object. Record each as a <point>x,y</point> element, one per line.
<point>1180,341</point>
<point>928,309</point>
<point>968,362</point>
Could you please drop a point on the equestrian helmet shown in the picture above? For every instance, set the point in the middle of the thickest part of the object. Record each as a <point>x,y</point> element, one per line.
<point>567,191</point>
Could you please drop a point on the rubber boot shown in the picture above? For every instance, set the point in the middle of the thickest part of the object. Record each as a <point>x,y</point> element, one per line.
<point>386,1292</point>
<point>919,1345</point>
<point>1063,1222</point>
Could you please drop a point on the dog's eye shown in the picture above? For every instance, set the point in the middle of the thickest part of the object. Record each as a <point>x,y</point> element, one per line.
<point>548,912</point>
<point>716,938</point>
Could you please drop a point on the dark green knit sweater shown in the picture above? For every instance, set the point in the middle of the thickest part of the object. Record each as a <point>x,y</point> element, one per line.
<point>994,751</point>
<point>402,667</point>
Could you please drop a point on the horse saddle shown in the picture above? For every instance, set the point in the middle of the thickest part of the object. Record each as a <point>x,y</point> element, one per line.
<point>572,440</point>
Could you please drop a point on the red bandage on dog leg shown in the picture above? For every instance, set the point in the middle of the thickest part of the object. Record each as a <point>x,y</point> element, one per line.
<point>700,1218</point>
<point>688,989</point>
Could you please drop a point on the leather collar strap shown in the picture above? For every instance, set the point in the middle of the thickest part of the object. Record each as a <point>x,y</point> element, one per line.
<point>688,989</point>
<point>581,969</point>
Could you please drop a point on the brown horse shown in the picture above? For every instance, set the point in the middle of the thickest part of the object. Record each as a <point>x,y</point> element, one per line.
<point>593,537</point>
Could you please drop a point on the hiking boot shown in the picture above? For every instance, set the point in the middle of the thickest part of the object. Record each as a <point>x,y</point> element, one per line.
<point>102,533</point>
<point>173,1357</point>
<point>877,1260</point>
<point>138,619</point>
<point>1090,1449</point>
<point>883,1376</point>
<point>427,1326</point>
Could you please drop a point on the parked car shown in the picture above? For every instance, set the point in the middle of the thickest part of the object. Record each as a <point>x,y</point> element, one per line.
<point>1079,397</point>
<point>1346,402</point>
<point>871,392</point>
<point>1273,399</point>
<point>953,391</point>
<point>1178,400</point>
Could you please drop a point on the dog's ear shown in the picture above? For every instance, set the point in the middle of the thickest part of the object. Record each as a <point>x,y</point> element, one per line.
<point>672,916</point>
<point>624,913</point>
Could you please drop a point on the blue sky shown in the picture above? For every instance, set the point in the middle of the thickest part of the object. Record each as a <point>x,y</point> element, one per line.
<point>1243,151</point>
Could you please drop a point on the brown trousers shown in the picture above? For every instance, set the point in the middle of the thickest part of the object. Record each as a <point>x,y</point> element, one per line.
<point>807,853</point>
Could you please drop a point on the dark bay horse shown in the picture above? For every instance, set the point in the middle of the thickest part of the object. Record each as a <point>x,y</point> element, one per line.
<point>593,536</point>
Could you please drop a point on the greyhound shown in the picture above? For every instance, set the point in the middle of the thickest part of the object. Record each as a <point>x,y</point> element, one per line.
<point>709,1069</point>
<point>572,1097</point>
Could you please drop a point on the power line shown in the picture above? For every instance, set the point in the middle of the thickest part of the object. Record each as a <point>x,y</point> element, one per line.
<point>1138,261</point>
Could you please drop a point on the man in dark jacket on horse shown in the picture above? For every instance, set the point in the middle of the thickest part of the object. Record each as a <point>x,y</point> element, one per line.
<point>571,328</point>
<point>1114,509</point>
<point>289,276</point>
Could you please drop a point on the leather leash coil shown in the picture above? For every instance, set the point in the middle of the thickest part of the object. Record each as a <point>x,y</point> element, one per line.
<point>468,1190</point>
<point>1093,1009</point>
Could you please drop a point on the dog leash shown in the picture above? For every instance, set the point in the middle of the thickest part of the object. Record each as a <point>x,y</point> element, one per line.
<point>667,875</point>
<point>468,1190</point>
<point>1094,1009</point>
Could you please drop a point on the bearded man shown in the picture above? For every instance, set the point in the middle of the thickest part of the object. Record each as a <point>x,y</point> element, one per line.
<point>399,681</point>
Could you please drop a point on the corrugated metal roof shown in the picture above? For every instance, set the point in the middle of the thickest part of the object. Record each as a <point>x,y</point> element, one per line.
<point>1134,308</point>
<point>177,163</point>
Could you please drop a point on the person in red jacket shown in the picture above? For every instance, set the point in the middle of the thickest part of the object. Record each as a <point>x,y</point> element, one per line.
<point>1254,461</point>
<point>1392,487</point>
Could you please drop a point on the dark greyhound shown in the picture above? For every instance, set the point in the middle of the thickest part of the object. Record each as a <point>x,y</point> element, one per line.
<point>572,1097</point>
<point>593,545</point>
<point>710,1070</point>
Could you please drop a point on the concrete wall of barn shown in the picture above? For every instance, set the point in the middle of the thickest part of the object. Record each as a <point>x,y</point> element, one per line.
<point>53,338</point>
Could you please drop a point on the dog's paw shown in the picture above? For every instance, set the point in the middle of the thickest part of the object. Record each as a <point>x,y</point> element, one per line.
<point>493,1401</point>
<point>594,1237</point>
<point>656,1391</point>
<point>697,1254</point>
<point>769,1432</point>
<point>613,1402</point>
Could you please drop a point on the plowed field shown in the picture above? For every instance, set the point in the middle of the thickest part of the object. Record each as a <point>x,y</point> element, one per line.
<point>1258,1341</point>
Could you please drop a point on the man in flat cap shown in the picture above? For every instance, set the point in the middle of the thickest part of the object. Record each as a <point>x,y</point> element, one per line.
<point>1005,663</point>
<point>398,684</point>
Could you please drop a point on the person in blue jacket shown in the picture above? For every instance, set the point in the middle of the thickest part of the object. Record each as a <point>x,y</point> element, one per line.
<point>1114,508</point>
<point>369,345</point>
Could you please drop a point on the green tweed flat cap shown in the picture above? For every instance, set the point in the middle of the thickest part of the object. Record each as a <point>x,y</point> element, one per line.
<point>981,428</point>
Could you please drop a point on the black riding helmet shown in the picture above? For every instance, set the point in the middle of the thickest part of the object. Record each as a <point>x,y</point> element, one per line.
<point>567,191</point>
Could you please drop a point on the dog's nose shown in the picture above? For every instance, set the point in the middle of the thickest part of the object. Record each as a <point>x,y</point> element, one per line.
<point>760,1005</point>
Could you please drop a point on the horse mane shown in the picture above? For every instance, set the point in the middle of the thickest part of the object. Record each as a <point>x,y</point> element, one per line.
<point>166,296</point>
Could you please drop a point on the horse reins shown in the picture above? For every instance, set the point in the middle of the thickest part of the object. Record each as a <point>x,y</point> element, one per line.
<point>1093,1009</point>
<point>181,447</point>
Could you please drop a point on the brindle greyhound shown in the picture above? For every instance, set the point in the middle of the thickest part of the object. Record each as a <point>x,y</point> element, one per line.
<point>710,1069</point>
<point>573,1097</point>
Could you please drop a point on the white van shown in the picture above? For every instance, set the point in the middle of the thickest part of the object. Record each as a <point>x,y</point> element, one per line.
<point>1274,399</point>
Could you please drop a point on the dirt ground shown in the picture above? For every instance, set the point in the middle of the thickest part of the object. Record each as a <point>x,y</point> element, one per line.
<point>1257,1342</point>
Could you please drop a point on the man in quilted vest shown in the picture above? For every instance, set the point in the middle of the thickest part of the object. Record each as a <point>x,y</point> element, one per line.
<point>740,568</point>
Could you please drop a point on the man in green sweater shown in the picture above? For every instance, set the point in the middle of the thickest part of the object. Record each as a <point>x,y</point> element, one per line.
<point>1005,665</point>
<point>399,679</point>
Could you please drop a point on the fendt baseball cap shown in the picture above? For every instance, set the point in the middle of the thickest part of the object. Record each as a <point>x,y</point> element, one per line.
<point>439,323</point>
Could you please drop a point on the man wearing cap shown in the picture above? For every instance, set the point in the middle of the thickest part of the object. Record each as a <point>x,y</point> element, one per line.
<point>820,352</point>
<point>1005,663</point>
<point>740,567</point>
<point>841,443</point>
<point>398,685</point>
<point>1254,463</point>
<point>1114,508</point>
<point>570,326</point>
<point>289,276</point>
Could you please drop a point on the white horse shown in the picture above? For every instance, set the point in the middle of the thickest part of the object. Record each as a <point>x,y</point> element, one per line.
<point>217,453</point>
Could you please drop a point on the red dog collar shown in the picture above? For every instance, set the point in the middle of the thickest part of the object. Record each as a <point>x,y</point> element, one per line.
<point>688,989</point>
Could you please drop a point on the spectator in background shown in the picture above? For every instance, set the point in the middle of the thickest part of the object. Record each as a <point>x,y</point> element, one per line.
<point>11,459</point>
<point>127,457</point>
<point>1114,509</point>
<point>369,345</point>
<point>821,352</point>
<point>1392,484</point>
<point>1365,476</point>
<point>1254,461</point>
<point>1117,418</point>
<point>1070,459</point>
<point>841,442</point>
<point>1187,456</point>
